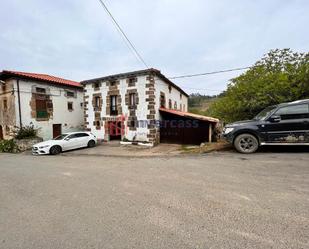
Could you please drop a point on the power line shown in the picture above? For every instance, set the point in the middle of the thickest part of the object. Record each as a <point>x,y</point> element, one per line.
<point>208,73</point>
<point>136,53</point>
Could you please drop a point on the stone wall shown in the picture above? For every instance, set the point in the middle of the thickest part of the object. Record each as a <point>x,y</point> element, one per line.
<point>26,144</point>
<point>150,99</point>
<point>7,109</point>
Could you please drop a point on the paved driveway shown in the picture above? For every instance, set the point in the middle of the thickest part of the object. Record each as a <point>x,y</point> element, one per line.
<point>219,200</point>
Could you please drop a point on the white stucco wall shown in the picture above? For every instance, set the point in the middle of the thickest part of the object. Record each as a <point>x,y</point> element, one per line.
<point>141,113</point>
<point>69,120</point>
<point>174,95</point>
<point>142,109</point>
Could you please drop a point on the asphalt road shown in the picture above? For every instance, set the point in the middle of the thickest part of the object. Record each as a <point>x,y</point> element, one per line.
<point>220,200</point>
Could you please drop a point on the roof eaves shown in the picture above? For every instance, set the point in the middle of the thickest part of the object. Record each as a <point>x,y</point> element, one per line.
<point>140,72</point>
<point>190,115</point>
<point>120,75</point>
<point>40,77</point>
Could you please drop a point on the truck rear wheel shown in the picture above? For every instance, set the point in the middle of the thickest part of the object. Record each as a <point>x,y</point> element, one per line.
<point>246,143</point>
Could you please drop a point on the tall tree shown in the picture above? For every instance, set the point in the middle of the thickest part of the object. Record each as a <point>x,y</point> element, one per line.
<point>280,76</point>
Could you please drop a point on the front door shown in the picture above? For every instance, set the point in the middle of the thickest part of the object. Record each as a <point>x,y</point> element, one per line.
<point>289,124</point>
<point>116,130</point>
<point>56,130</point>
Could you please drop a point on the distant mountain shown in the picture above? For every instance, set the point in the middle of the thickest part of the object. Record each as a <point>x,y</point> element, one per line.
<point>199,103</point>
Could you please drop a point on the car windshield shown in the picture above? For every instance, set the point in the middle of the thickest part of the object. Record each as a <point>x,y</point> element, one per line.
<point>61,137</point>
<point>263,114</point>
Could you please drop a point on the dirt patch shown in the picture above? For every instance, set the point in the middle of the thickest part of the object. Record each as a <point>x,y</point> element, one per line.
<point>207,147</point>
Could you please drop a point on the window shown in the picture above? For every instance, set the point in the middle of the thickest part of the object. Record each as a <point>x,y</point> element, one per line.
<point>40,90</point>
<point>112,83</point>
<point>180,107</point>
<point>175,105</point>
<point>41,108</point>
<point>184,107</point>
<point>131,81</point>
<point>97,101</point>
<point>264,113</point>
<point>73,136</point>
<point>5,104</point>
<point>133,124</point>
<point>169,89</point>
<point>162,100</point>
<point>113,105</point>
<point>70,106</point>
<point>60,137</point>
<point>70,94</point>
<point>132,99</point>
<point>293,112</point>
<point>170,104</point>
<point>81,135</point>
<point>96,85</point>
<point>181,96</point>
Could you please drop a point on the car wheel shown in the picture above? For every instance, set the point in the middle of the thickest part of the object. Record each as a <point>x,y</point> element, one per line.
<point>91,143</point>
<point>55,150</point>
<point>246,143</point>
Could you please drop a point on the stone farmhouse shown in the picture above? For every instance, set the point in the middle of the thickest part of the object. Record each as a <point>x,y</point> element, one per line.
<point>142,106</point>
<point>52,105</point>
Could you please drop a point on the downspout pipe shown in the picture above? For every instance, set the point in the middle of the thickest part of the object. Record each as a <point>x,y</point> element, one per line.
<point>19,105</point>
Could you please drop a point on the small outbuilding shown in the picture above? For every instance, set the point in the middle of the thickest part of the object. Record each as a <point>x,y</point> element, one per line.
<point>185,128</point>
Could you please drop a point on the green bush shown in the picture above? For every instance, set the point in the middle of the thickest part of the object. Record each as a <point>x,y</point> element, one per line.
<point>280,76</point>
<point>8,146</point>
<point>26,132</point>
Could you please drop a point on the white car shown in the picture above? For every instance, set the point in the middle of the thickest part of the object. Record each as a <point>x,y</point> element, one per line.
<point>64,142</point>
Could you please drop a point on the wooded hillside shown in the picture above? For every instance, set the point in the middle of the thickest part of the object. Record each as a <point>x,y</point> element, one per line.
<point>280,76</point>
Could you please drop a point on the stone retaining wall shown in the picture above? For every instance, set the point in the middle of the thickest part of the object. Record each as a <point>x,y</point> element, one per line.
<point>26,144</point>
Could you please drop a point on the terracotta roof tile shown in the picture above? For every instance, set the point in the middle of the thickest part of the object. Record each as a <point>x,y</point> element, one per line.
<point>42,77</point>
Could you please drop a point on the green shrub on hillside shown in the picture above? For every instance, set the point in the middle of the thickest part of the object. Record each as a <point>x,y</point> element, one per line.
<point>280,76</point>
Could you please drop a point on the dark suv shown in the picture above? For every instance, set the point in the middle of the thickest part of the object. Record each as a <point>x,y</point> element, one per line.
<point>283,124</point>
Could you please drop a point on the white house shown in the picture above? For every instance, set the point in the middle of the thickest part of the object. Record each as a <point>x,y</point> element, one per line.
<point>52,105</point>
<point>141,106</point>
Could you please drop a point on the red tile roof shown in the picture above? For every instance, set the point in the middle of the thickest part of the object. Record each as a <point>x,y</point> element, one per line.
<point>42,77</point>
<point>190,115</point>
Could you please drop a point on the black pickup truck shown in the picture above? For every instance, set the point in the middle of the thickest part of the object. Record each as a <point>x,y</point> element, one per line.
<point>283,124</point>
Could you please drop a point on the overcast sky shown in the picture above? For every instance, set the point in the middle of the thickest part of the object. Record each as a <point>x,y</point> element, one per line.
<point>75,39</point>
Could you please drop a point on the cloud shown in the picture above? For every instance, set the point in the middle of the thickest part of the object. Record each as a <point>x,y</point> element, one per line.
<point>77,40</point>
